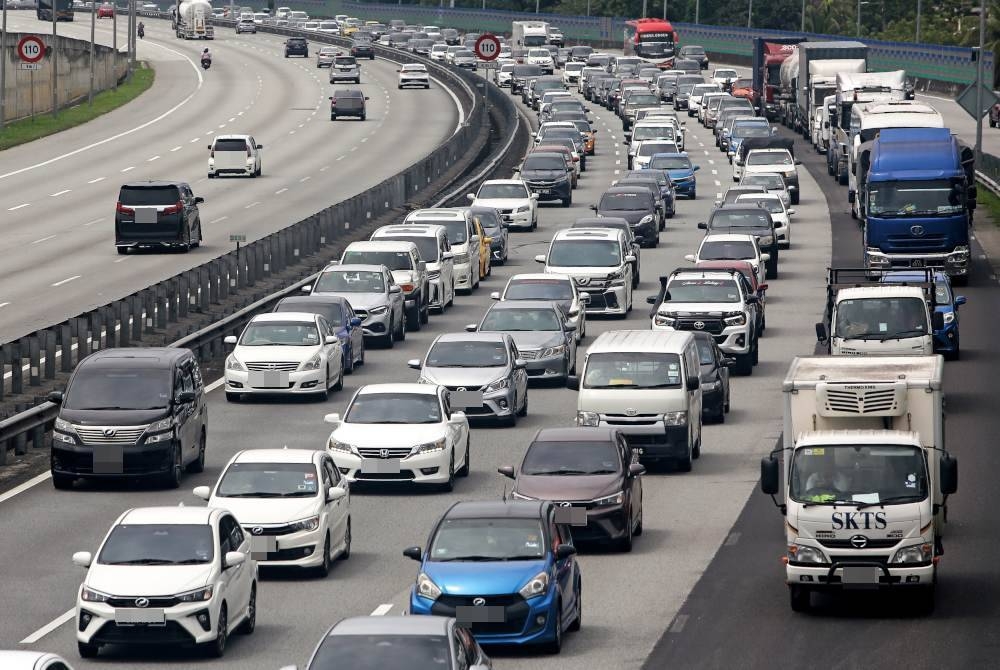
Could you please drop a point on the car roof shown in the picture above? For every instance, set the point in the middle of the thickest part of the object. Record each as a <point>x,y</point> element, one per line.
<point>158,357</point>
<point>637,190</point>
<point>513,509</point>
<point>411,230</point>
<point>153,183</point>
<point>575,434</point>
<point>517,182</point>
<point>304,317</point>
<point>598,221</point>
<point>232,137</point>
<point>401,387</point>
<point>540,275</point>
<point>522,304</point>
<point>380,245</point>
<point>471,337</point>
<point>391,625</point>
<point>168,515</point>
<point>702,274</point>
<point>584,233</point>
<point>727,237</point>
<point>285,455</point>
<point>353,267</point>
<point>311,299</point>
<point>438,213</point>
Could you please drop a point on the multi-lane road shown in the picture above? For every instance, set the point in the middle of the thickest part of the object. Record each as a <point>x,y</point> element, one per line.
<point>57,195</point>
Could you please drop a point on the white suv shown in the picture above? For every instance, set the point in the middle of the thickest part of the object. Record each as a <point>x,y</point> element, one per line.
<point>234,154</point>
<point>779,161</point>
<point>293,504</point>
<point>463,236</point>
<point>188,569</point>
<point>542,58</point>
<point>435,252</point>
<point>600,261</point>
<point>517,205</point>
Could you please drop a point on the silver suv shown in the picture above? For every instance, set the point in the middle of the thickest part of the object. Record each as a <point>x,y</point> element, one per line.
<point>408,271</point>
<point>373,295</point>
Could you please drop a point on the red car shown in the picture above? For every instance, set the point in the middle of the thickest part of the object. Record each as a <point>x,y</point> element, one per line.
<point>106,11</point>
<point>746,269</point>
<point>995,115</point>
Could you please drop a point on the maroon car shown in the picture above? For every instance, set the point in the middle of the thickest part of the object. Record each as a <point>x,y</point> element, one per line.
<point>995,115</point>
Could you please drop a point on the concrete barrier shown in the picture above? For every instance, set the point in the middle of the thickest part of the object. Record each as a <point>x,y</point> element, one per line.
<point>29,92</point>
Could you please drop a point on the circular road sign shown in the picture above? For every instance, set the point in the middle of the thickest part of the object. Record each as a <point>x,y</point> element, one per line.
<point>487,47</point>
<point>31,49</point>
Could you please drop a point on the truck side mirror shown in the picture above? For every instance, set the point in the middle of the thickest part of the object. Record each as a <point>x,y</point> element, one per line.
<point>770,476</point>
<point>573,383</point>
<point>821,335</point>
<point>949,474</point>
<point>937,320</point>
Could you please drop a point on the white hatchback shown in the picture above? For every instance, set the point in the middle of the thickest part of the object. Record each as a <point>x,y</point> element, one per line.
<point>186,571</point>
<point>401,433</point>
<point>293,503</point>
<point>285,352</point>
<point>414,74</point>
<point>731,247</point>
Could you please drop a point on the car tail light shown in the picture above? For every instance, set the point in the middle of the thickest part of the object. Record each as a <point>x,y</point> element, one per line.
<point>333,102</point>
<point>406,287</point>
<point>173,209</point>
<point>249,155</point>
<point>122,209</point>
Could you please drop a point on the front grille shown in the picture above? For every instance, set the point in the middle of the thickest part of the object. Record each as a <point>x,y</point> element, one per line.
<point>293,554</point>
<point>401,476</point>
<point>390,452</point>
<point>926,243</point>
<point>872,544</point>
<point>165,602</point>
<point>99,435</point>
<point>279,366</point>
<point>269,531</point>
<point>481,409</point>
<point>169,633</point>
<point>540,184</point>
<point>530,354</point>
<point>516,612</point>
<point>713,326</point>
<point>637,420</point>
<point>463,388</point>
<point>361,314</point>
<point>597,301</point>
<point>589,284</point>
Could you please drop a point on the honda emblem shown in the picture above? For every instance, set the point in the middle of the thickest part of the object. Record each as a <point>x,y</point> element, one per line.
<point>383,453</point>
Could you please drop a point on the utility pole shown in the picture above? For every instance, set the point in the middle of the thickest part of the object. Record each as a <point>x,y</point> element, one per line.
<point>644,3</point>
<point>803,28</point>
<point>749,13</point>
<point>93,20</point>
<point>3,66</point>
<point>979,82</point>
<point>919,7</point>
<point>858,32</point>
<point>55,62</point>
<point>131,34</point>
<point>697,11</point>
<point>114,45</point>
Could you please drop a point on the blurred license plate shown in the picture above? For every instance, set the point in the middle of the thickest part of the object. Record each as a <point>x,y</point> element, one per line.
<point>380,466</point>
<point>466,398</point>
<point>862,575</point>
<point>145,215</point>
<point>574,516</point>
<point>545,191</point>
<point>109,459</point>
<point>466,614</point>
<point>263,545</point>
<point>268,379</point>
<point>139,616</point>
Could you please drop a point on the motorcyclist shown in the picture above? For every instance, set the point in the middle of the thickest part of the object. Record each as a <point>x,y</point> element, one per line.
<point>206,55</point>
<point>141,30</point>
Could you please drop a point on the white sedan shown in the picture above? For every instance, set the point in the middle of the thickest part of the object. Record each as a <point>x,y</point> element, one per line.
<point>33,660</point>
<point>285,352</point>
<point>401,433</point>
<point>293,504</point>
<point>414,74</point>
<point>517,205</point>
<point>185,568</point>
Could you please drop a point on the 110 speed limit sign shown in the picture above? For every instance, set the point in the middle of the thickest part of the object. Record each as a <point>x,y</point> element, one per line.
<point>31,49</point>
<point>487,47</point>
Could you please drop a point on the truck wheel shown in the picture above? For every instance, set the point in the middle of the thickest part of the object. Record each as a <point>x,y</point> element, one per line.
<point>798,598</point>
<point>744,364</point>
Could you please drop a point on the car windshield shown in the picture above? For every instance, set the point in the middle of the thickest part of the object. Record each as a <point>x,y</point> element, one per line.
<point>98,387</point>
<point>635,370</point>
<point>344,60</point>
<point>685,89</point>
<point>464,53</point>
<point>536,319</point>
<point>772,205</point>
<point>881,318</point>
<point>268,480</point>
<point>861,474</point>
<point>327,51</point>
<point>642,99</point>
<point>585,253</point>
<point>539,289</point>
<point>139,196</point>
<point>280,333</point>
<point>544,163</point>
<point>693,51</point>
<point>652,132</point>
<point>468,354</point>
<point>501,191</point>
<point>573,67</point>
<point>740,219</point>
<point>650,148</point>
<point>402,408</point>
<point>703,290</point>
<point>702,89</point>
<point>562,133</point>
<point>933,197</point>
<point>348,281</point>
<point>502,539</point>
<point>628,202</point>
<point>457,230</point>
<point>670,163</point>
<point>743,83</point>
<point>745,130</point>
<point>571,458</point>
<point>725,74</point>
<point>383,652</point>
<point>768,181</point>
<point>414,68</point>
<point>394,260</point>
<point>539,53</point>
<point>769,158</point>
<point>736,250</point>
<point>158,544</point>
<point>426,245</point>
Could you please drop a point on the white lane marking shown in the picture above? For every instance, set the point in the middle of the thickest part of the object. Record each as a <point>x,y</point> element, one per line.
<point>123,259</point>
<point>43,239</point>
<point>382,609</point>
<point>222,125</point>
<point>94,181</point>
<point>154,158</point>
<point>197,139</point>
<point>715,172</point>
<point>90,223</point>
<point>718,183</point>
<point>177,148</point>
<point>679,623</point>
<point>231,119</point>
<point>711,162</point>
<point>304,179</point>
<point>4,304</point>
<point>280,191</point>
<point>252,204</point>
<point>618,162</point>
<point>221,218</point>
<point>59,193</point>
<point>162,116</point>
<point>131,167</point>
<point>67,280</point>
<point>17,207</point>
<point>364,139</point>
<point>21,488</point>
<point>340,158</point>
<point>50,626</point>
<point>324,168</point>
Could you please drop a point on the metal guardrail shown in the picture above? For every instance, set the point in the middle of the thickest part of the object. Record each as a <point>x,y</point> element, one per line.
<point>142,316</point>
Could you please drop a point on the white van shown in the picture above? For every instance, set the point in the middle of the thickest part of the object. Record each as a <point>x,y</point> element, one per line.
<point>234,154</point>
<point>647,385</point>
<point>463,236</point>
<point>435,250</point>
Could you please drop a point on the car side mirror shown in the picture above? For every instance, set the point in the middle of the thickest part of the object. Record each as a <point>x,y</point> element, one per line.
<point>233,559</point>
<point>533,196</point>
<point>471,328</point>
<point>330,339</point>
<point>821,334</point>
<point>335,493</point>
<point>184,398</point>
<point>540,258</point>
<point>765,258</point>
<point>564,551</point>
<point>690,258</point>
<point>636,469</point>
<point>367,98</point>
<point>198,200</point>
<point>414,552</point>
<point>471,197</point>
<point>630,258</point>
<point>702,225</point>
<point>770,476</point>
<point>421,266</point>
<point>260,146</point>
<point>789,211</point>
<point>307,289</point>
<point>331,97</point>
<point>937,320</point>
<point>333,419</point>
<point>55,397</point>
<point>414,363</point>
<point>960,300</point>
<point>83,559</point>
<point>573,382</point>
<point>356,321</point>
<point>229,339</point>
<point>209,147</point>
<point>695,168</point>
<point>798,162</point>
<point>203,492</point>
<point>692,383</point>
<point>949,474</point>
<point>761,288</point>
<point>520,364</point>
<point>395,288</point>
<point>507,471</point>
<point>495,295</point>
<point>448,255</point>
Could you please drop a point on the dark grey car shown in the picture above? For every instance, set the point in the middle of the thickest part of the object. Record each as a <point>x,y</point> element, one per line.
<point>157,215</point>
<point>636,205</point>
<point>544,338</point>
<point>714,377</point>
<point>548,175</point>
<point>743,220</point>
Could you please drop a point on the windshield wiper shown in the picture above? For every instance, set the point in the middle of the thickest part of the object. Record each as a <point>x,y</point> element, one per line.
<point>471,558</point>
<point>143,561</point>
<point>906,333</point>
<point>890,500</point>
<point>612,386</point>
<point>559,472</point>
<point>816,503</point>
<point>189,561</point>
<point>256,494</point>
<point>865,336</point>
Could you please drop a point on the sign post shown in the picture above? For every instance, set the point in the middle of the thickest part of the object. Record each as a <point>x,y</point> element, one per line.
<point>487,49</point>
<point>3,65</point>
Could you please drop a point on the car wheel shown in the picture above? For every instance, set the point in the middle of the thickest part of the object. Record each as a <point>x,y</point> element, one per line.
<point>449,485</point>
<point>524,406</point>
<point>249,625</point>
<point>696,452</point>
<point>62,482</point>
<point>339,386</point>
<point>345,553</point>
<point>413,318</point>
<point>684,464</point>
<point>638,526</point>
<point>172,479</point>
<point>625,543</point>
<point>348,362</point>
<point>756,351</point>
<point>323,569</point>
<point>87,650</point>
<point>555,646</point>
<point>566,202</point>
<point>464,470</point>
<point>578,611</point>
<point>198,464</point>
<point>363,117</point>
<point>333,117</point>
<point>217,647</point>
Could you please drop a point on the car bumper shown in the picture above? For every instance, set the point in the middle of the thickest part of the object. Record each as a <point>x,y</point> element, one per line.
<point>295,550</point>
<point>555,192</point>
<point>606,301</point>
<point>376,325</point>
<point>181,625</point>
<point>298,381</point>
<point>423,81</point>
<point>712,401</point>
<point>344,76</point>
<point>77,460</point>
<point>496,405</point>
<point>246,170</point>
<point>831,576</point>
<point>463,275</point>
<point>687,187</point>
<point>526,622</point>
<point>552,367</point>
<point>956,264</point>
<point>654,442</point>
<point>603,524</point>
<point>418,469</point>
<point>732,340</point>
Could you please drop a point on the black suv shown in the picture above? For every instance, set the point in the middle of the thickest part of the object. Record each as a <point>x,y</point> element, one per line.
<point>348,102</point>
<point>363,49</point>
<point>157,214</point>
<point>296,46</point>
<point>745,220</point>
<point>548,175</point>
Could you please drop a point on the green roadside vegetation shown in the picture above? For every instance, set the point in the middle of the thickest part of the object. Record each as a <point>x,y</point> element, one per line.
<point>985,199</point>
<point>26,130</point>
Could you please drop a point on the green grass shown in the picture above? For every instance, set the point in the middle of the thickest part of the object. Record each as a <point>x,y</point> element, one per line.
<point>26,130</point>
<point>990,203</point>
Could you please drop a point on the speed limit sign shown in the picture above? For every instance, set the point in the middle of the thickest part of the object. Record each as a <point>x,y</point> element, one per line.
<point>487,47</point>
<point>30,49</point>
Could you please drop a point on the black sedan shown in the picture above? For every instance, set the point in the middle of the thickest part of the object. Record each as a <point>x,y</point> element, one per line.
<point>714,378</point>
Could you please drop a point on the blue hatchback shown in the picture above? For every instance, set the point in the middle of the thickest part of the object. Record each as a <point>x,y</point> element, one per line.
<point>505,570</point>
<point>343,323</point>
<point>680,170</point>
<point>946,340</point>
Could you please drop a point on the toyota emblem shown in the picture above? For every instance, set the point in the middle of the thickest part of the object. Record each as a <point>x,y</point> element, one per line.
<point>699,325</point>
<point>918,231</point>
<point>479,602</point>
<point>256,530</point>
<point>110,432</point>
<point>859,541</point>
<point>384,453</point>
<point>142,602</point>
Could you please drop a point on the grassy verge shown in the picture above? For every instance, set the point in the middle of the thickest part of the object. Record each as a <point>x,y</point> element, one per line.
<point>990,203</point>
<point>26,130</point>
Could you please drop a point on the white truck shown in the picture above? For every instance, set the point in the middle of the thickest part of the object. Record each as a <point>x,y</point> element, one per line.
<point>865,474</point>
<point>192,20</point>
<point>855,88</point>
<point>527,35</point>
<point>867,317</point>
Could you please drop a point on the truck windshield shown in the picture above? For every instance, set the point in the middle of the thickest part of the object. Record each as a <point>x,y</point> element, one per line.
<point>933,197</point>
<point>881,318</point>
<point>862,474</point>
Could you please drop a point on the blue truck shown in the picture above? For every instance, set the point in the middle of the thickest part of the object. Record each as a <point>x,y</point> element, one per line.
<point>917,190</point>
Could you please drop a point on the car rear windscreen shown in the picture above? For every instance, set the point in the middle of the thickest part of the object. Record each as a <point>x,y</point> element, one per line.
<point>230,145</point>
<point>149,195</point>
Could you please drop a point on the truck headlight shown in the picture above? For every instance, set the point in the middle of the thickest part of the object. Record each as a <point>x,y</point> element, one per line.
<point>664,320</point>
<point>427,588</point>
<point>588,419</point>
<point>736,319</point>
<point>498,385</point>
<point>959,255</point>
<point>232,363</point>
<point>537,586</point>
<point>312,364</point>
<point>915,553</point>
<point>800,553</point>
<point>675,418</point>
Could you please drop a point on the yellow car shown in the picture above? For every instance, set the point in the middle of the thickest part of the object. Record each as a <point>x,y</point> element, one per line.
<point>485,253</point>
<point>347,31</point>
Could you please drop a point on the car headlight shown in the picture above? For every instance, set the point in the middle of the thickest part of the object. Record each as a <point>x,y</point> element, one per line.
<point>312,523</point>
<point>522,209</point>
<point>461,259</point>
<point>949,317</point>
<point>800,553</point>
<point>430,447</point>
<point>232,363</point>
<point>915,553</point>
<point>537,586</point>
<point>607,501</point>
<point>91,596</point>
<point>65,426</point>
<point>736,319</point>
<point>617,275</point>
<point>675,418</point>
<point>766,240</point>
<point>665,320</point>
<point>588,419</point>
<point>498,385</point>
<point>376,311</point>
<point>345,447</point>
<point>313,363</point>
<point>203,594</point>
<point>554,351</point>
<point>646,219</point>
<point>711,386</point>
<point>427,588</point>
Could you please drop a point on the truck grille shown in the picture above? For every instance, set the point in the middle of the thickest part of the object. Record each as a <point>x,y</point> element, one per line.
<point>927,243</point>
<point>109,434</point>
<point>713,326</point>
<point>861,399</point>
<point>279,366</point>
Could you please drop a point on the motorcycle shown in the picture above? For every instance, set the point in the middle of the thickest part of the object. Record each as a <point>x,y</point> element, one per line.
<point>141,32</point>
<point>206,63</point>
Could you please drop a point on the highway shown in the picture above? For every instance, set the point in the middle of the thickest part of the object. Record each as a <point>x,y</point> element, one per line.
<point>58,194</point>
<point>628,600</point>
